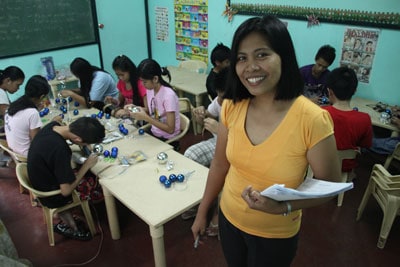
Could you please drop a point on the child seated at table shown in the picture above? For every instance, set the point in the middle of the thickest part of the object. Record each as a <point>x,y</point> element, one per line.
<point>22,120</point>
<point>314,75</point>
<point>353,129</point>
<point>130,87</point>
<point>220,58</point>
<point>95,85</point>
<point>161,108</point>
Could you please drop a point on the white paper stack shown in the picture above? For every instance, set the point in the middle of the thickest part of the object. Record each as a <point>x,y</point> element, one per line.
<point>310,188</point>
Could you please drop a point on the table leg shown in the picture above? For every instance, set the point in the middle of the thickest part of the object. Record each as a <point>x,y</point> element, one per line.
<point>157,237</point>
<point>111,214</point>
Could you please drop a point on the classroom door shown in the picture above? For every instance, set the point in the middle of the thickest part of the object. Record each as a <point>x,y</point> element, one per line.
<point>124,30</point>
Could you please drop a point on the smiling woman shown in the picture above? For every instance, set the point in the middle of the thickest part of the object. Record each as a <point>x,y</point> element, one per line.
<point>261,111</point>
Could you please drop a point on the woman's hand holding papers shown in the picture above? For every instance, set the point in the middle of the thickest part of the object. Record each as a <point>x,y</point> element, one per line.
<point>256,201</point>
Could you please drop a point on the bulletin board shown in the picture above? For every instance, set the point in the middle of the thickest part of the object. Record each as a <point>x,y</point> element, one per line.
<point>191,29</point>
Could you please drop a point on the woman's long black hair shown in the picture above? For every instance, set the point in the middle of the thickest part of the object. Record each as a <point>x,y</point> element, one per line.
<point>123,63</point>
<point>149,68</point>
<point>36,87</point>
<point>83,70</point>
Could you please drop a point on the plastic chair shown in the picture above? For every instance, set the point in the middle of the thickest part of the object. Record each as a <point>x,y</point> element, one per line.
<point>185,123</point>
<point>16,158</point>
<point>194,65</point>
<point>344,177</point>
<point>395,155</point>
<point>386,190</point>
<point>22,175</point>
<point>186,107</point>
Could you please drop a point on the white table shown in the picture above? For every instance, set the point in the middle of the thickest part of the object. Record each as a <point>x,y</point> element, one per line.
<point>189,81</point>
<point>139,189</point>
<point>366,105</point>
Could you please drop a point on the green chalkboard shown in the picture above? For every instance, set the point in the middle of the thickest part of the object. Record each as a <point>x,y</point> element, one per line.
<point>31,26</point>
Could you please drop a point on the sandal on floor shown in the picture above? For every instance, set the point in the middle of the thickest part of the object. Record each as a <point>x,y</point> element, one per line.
<point>65,230</point>
<point>212,230</point>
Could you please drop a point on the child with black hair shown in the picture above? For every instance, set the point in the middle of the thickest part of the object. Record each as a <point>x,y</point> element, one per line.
<point>131,89</point>
<point>353,129</point>
<point>220,58</point>
<point>314,75</point>
<point>22,120</point>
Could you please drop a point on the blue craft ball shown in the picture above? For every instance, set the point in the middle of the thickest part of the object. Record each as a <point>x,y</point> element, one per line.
<point>76,112</point>
<point>108,116</point>
<point>114,149</point>
<point>62,107</point>
<point>76,104</point>
<point>172,178</point>
<point>99,115</point>
<point>125,131</point>
<point>388,111</point>
<point>70,98</point>
<point>64,110</point>
<point>94,116</point>
<point>46,111</point>
<point>167,183</point>
<point>180,177</point>
<point>163,178</point>
<point>64,101</point>
<point>141,131</point>
<point>41,113</point>
<point>106,153</point>
<point>57,100</point>
<point>114,154</point>
<point>355,108</point>
<point>121,126</point>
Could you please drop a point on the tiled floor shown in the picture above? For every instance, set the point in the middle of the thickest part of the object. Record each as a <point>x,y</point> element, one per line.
<point>330,236</point>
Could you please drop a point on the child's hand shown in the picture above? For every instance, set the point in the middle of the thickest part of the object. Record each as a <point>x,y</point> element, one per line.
<point>91,160</point>
<point>211,125</point>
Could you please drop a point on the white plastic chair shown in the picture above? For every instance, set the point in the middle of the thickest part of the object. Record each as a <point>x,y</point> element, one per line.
<point>22,175</point>
<point>385,188</point>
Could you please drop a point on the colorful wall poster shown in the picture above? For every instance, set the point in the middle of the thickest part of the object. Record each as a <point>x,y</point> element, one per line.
<point>358,51</point>
<point>191,29</point>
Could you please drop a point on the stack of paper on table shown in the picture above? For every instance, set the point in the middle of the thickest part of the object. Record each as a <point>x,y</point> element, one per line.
<point>310,188</point>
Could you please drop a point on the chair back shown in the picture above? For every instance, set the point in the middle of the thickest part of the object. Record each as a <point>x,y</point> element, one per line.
<point>384,179</point>
<point>15,156</point>
<point>194,65</point>
<point>185,106</point>
<point>395,155</point>
<point>347,154</point>
<point>185,123</point>
<point>23,178</point>
<point>385,188</point>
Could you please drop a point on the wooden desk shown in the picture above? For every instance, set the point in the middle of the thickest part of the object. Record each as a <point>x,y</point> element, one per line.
<point>366,105</point>
<point>189,81</point>
<point>139,189</point>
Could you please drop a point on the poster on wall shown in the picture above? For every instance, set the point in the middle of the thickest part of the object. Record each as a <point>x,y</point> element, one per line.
<point>191,29</point>
<point>358,51</point>
<point>162,26</point>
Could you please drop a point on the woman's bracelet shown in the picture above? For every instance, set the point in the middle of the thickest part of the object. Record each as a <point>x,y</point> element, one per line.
<point>288,208</point>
